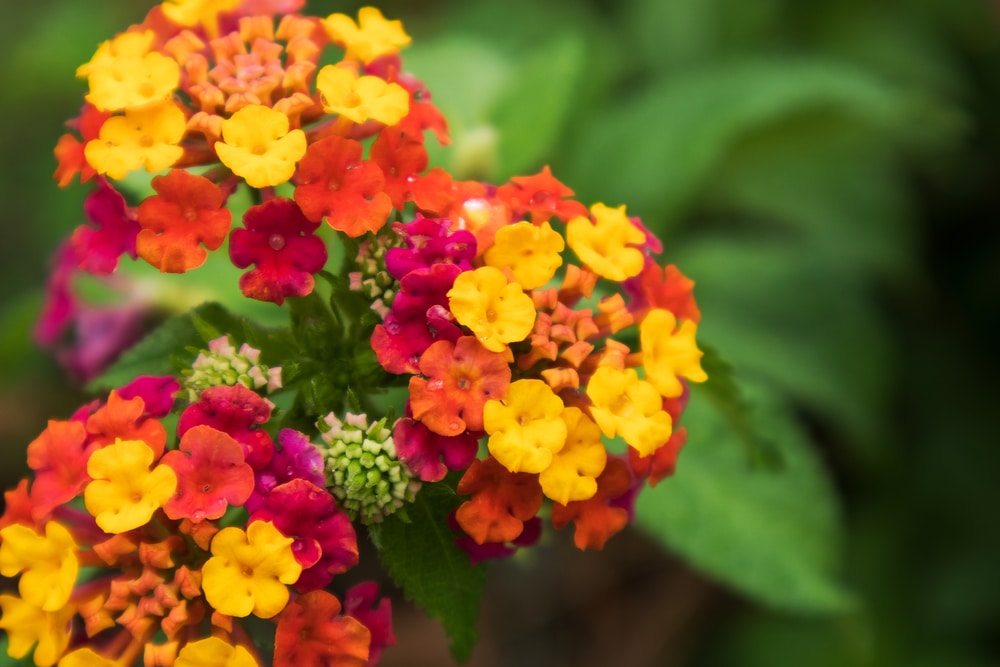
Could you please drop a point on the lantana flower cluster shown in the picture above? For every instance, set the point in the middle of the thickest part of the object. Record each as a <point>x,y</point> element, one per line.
<point>542,353</point>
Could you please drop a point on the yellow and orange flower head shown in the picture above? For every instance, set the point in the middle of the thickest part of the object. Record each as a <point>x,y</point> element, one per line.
<point>497,311</point>
<point>606,245</point>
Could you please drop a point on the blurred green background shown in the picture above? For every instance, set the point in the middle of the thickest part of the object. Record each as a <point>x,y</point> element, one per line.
<point>827,173</point>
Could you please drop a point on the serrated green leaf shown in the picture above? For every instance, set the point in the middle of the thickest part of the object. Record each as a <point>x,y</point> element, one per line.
<point>436,574</point>
<point>682,127</point>
<point>153,354</point>
<point>772,533</point>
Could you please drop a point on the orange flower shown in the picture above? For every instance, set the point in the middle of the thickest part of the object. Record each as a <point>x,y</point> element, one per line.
<point>595,519</point>
<point>186,211</point>
<point>501,501</point>
<point>127,420</point>
<point>460,378</point>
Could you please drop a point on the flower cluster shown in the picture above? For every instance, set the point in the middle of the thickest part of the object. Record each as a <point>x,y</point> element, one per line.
<point>541,353</point>
<point>135,543</point>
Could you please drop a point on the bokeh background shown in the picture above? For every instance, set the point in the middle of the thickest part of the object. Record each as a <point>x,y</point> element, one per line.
<point>827,172</point>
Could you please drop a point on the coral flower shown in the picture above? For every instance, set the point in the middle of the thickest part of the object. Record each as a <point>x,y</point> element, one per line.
<point>249,572</point>
<point>460,378</point>
<point>280,241</point>
<point>212,474</point>
<point>531,253</point>
<point>258,146</point>
<point>626,406</point>
<point>146,137</point>
<point>497,312</point>
<point>526,428</point>
<point>669,352</point>
<point>361,98</point>
<point>186,213</point>
<point>371,37</point>
<point>336,182</point>
<point>125,492</point>
<point>605,244</point>
<point>59,458</point>
<point>312,633</point>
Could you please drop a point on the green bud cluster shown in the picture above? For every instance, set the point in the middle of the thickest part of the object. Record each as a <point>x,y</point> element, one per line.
<point>363,472</point>
<point>372,279</point>
<point>222,364</point>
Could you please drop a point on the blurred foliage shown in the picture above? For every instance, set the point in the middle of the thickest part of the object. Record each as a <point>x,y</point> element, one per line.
<point>827,173</point>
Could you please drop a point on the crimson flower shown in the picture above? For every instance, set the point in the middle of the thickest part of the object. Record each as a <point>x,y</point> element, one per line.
<point>430,456</point>
<point>281,242</point>
<point>337,183</point>
<point>361,602</point>
<point>237,411</point>
<point>212,474</point>
<point>114,234</point>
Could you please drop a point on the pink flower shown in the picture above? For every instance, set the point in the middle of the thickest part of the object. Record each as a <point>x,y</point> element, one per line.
<point>429,241</point>
<point>297,459</point>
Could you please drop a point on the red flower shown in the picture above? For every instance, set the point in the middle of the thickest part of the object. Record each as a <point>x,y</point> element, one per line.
<point>335,182</point>
<point>186,211</point>
<point>665,288</point>
<point>501,501</point>
<point>541,196</point>
<point>595,519</point>
<point>660,464</point>
<point>403,159</point>
<point>69,150</point>
<point>98,248</point>
<point>460,378</point>
<point>212,474</point>
<point>311,633</point>
<point>280,241</point>
<point>237,411</point>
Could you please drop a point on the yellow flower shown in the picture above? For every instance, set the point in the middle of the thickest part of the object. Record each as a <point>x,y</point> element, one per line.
<point>624,405</point>
<point>213,652</point>
<point>604,244</point>
<point>146,137</point>
<point>124,74</point>
<point>124,492</point>
<point>573,473</point>
<point>526,428</point>
<point>47,563</point>
<point>372,36</point>
<point>190,13</point>
<point>86,657</point>
<point>496,311</point>
<point>257,146</point>
<point>668,354</point>
<point>530,252</point>
<point>248,571</point>
<point>27,625</point>
<point>360,98</point>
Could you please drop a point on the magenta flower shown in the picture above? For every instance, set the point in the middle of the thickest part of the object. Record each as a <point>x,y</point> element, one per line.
<point>419,316</point>
<point>325,542</point>
<point>280,241</point>
<point>60,304</point>
<point>113,234</point>
<point>430,456</point>
<point>237,411</point>
<point>297,459</point>
<point>156,391</point>
<point>429,241</point>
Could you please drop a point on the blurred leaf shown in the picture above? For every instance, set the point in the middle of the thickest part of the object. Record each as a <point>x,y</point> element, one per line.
<point>533,107</point>
<point>436,574</point>
<point>657,150</point>
<point>771,533</point>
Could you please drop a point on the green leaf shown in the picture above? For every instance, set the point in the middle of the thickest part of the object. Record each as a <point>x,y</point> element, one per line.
<point>682,127</point>
<point>154,354</point>
<point>423,559</point>
<point>772,533</point>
